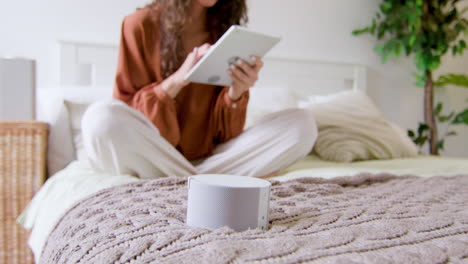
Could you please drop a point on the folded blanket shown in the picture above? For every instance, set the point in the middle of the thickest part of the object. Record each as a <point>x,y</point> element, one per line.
<point>351,128</point>
<point>360,219</point>
<point>359,139</point>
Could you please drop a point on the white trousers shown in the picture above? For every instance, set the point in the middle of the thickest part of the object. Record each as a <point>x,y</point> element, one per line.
<point>120,140</point>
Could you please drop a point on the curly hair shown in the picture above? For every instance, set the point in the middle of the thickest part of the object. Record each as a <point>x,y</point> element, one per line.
<point>174,15</point>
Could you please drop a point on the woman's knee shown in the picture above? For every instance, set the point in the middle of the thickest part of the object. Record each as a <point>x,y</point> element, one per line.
<point>298,125</point>
<point>101,120</point>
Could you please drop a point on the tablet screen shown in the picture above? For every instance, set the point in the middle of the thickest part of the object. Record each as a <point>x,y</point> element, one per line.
<point>237,42</point>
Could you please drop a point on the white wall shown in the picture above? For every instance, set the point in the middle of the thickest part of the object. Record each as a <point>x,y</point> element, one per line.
<point>312,29</point>
<point>321,30</point>
<point>31,28</point>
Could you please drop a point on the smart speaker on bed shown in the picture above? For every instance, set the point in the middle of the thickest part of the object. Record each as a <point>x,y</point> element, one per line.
<point>217,200</point>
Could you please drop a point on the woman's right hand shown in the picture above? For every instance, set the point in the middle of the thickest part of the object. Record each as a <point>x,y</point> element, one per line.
<point>176,81</point>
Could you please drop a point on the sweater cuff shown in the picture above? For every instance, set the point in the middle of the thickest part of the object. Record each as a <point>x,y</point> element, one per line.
<point>241,103</point>
<point>163,97</point>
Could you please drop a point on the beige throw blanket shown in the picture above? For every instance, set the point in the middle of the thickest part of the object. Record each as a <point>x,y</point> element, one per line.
<point>351,128</point>
<point>360,219</point>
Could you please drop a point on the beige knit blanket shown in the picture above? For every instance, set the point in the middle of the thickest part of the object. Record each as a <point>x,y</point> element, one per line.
<point>362,219</point>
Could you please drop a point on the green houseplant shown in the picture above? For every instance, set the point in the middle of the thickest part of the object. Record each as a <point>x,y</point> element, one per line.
<point>428,30</point>
<point>453,118</point>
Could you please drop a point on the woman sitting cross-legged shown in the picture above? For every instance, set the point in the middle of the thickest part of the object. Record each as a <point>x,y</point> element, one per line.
<point>158,124</point>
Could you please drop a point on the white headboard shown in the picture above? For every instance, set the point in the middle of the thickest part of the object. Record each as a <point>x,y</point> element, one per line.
<point>93,65</point>
<point>87,64</point>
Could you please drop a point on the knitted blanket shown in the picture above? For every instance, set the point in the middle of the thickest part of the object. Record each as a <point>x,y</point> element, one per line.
<point>361,219</point>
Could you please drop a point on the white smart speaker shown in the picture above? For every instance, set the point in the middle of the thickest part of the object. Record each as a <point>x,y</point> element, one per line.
<point>218,200</point>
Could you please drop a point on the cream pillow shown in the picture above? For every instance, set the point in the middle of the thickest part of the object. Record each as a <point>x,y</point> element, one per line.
<point>62,107</point>
<point>60,149</point>
<point>76,111</point>
<point>351,128</point>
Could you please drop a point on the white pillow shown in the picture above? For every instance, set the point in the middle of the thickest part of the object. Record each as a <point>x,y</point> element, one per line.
<point>352,128</point>
<point>264,100</point>
<point>76,111</point>
<point>62,108</point>
<point>60,149</point>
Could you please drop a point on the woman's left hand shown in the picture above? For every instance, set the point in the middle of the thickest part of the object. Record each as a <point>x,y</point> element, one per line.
<point>243,76</point>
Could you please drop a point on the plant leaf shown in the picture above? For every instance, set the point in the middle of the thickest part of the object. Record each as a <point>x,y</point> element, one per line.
<point>421,140</point>
<point>461,118</point>
<point>462,44</point>
<point>438,109</point>
<point>422,127</point>
<point>412,40</point>
<point>451,133</point>
<point>452,79</point>
<point>434,63</point>
<point>444,119</point>
<point>360,31</point>
<point>454,50</point>
<point>420,83</point>
<point>440,144</point>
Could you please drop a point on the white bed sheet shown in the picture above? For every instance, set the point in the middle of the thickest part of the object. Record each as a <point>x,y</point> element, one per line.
<point>424,166</point>
<point>58,194</point>
<point>79,180</point>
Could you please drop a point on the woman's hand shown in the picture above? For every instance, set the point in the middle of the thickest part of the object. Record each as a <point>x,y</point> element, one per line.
<point>176,81</point>
<point>243,76</point>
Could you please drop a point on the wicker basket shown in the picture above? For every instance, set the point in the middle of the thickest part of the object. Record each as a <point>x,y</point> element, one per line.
<point>23,147</point>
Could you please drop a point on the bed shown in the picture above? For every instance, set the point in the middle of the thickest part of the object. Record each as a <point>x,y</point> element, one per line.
<point>391,206</point>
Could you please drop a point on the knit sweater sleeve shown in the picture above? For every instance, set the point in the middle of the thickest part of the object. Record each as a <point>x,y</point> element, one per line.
<point>230,115</point>
<point>137,82</point>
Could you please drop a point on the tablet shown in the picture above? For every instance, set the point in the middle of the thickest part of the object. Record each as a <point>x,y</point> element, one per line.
<point>237,42</point>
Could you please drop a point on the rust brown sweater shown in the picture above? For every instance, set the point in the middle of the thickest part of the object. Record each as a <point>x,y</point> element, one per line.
<point>199,118</point>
